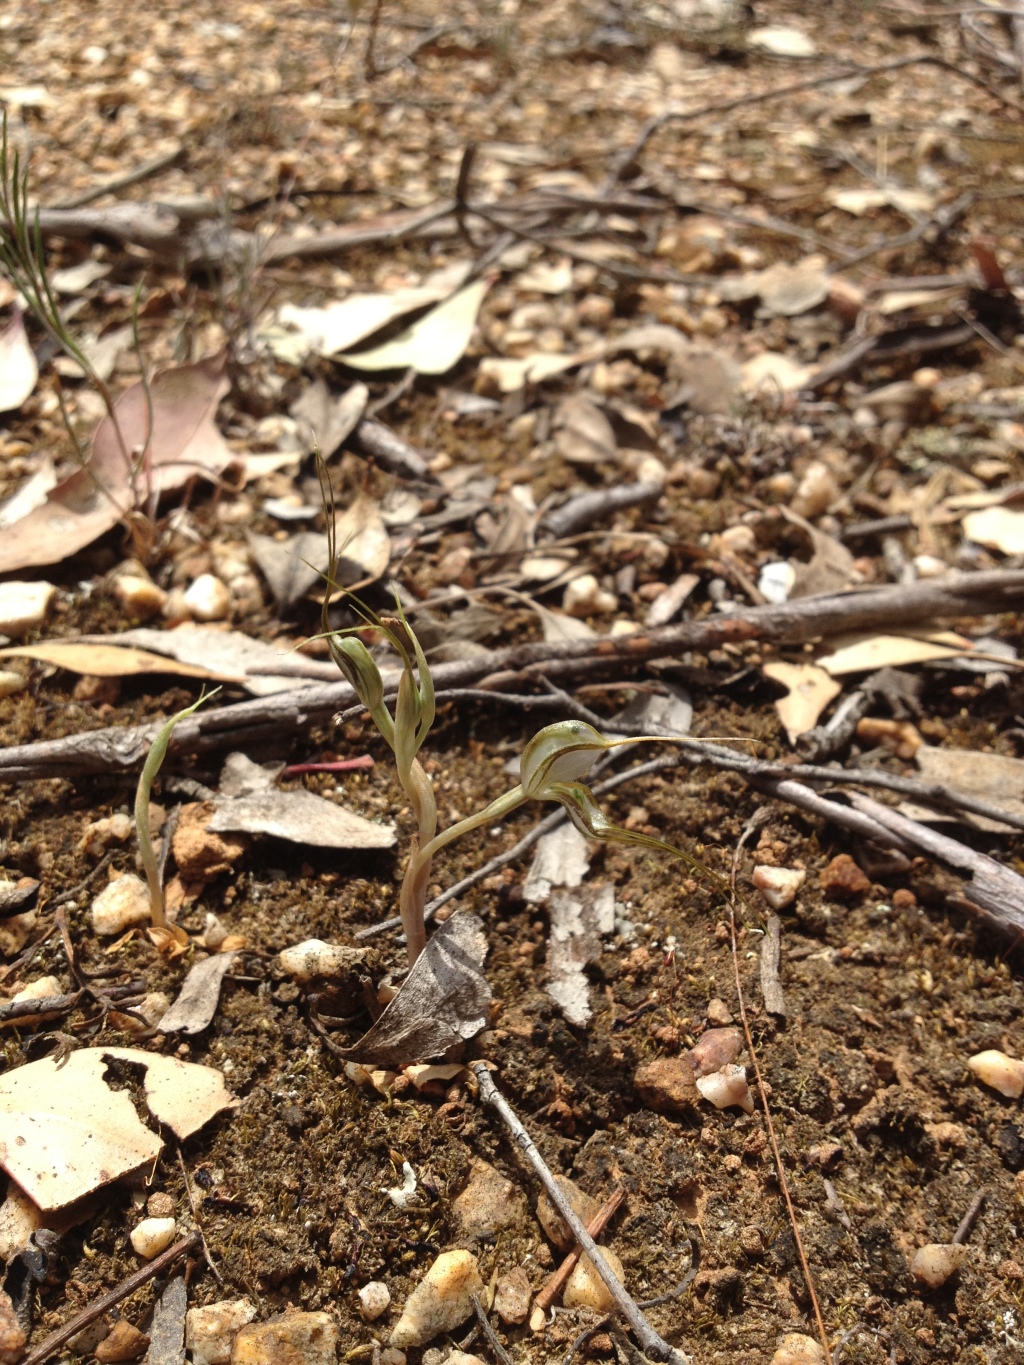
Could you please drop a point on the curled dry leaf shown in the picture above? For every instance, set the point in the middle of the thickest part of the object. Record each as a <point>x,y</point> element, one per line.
<point>810,691</point>
<point>64,1132</point>
<point>19,372</point>
<point>433,344</point>
<point>583,433</point>
<point>112,661</point>
<point>443,1002</point>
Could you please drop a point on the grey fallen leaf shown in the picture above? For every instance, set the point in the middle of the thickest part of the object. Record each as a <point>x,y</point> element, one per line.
<point>443,1002</point>
<point>651,712</point>
<point>583,433</point>
<point>556,625</point>
<point>995,777</point>
<point>577,924</point>
<point>167,1332</point>
<point>291,567</point>
<point>287,509</point>
<point>788,290</point>
<point>707,381</point>
<point>830,567</point>
<point>300,817</point>
<point>562,858</point>
<point>199,996</point>
<point>327,420</point>
<point>240,776</point>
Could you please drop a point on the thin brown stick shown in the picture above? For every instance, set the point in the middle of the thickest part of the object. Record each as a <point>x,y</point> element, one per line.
<point>770,1125</point>
<point>556,1282</point>
<point>969,1219</point>
<point>199,1227</point>
<point>99,1306</point>
<point>112,183</point>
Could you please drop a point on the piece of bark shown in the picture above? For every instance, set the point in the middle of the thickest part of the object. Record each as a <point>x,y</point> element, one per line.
<point>265,724</point>
<point>771,950</point>
<point>199,996</point>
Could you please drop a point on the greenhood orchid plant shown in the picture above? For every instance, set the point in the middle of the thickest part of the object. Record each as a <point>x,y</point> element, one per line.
<point>551,768</point>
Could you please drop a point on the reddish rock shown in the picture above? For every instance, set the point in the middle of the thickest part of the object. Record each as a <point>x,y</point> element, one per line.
<point>714,1049</point>
<point>668,1084</point>
<point>843,879</point>
<point>125,1342</point>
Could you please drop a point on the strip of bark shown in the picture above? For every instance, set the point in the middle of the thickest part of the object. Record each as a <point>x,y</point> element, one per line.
<point>264,722</point>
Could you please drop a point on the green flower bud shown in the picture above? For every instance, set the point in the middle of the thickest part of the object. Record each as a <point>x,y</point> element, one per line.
<point>563,752</point>
<point>356,663</point>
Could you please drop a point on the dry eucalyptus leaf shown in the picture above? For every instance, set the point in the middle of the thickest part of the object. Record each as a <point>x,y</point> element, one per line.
<point>32,494</point>
<point>433,344</point>
<point>364,546</point>
<point>556,625</point>
<point>19,372</point>
<point>861,201</point>
<point>112,661</point>
<point>669,603</point>
<point>583,433</point>
<point>772,370</point>
<point>788,290</point>
<point>291,567</point>
<point>223,654</point>
<point>197,1001</point>
<point>326,420</point>
<point>810,691</point>
<point>994,777</point>
<point>443,1002</point>
<point>65,1132</point>
<point>830,567</point>
<point>865,653</point>
<point>782,41</point>
<point>997,528</point>
<point>174,418</point>
<point>511,374</point>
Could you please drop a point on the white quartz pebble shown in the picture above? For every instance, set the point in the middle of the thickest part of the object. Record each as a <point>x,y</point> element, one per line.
<point>314,958</point>
<point>121,905</point>
<point>210,1331</point>
<point>779,885</point>
<point>152,1236</point>
<point>374,1299</point>
<point>208,599</point>
<point>23,606</point>
<point>10,682</point>
<point>139,596</point>
<point>727,1087</point>
<point>935,1263</point>
<point>1002,1073</point>
<point>584,596</point>
<point>585,1288</point>
<point>442,1300</point>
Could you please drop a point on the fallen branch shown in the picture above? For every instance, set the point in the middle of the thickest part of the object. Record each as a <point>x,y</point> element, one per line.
<point>264,722</point>
<point>653,1346</point>
<point>556,1282</point>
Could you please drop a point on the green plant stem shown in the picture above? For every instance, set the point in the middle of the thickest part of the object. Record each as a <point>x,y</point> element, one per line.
<point>153,764</point>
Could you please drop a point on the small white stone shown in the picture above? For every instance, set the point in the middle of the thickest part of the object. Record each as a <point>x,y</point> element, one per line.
<point>776,580</point>
<point>23,606</point>
<point>726,1088</point>
<point>816,491</point>
<point>935,1263</point>
<point>779,885</point>
<point>314,958</point>
<point>1002,1073</point>
<point>10,682</point>
<point>584,596</point>
<point>391,1355</point>
<point>797,1349</point>
<point>121,905</point>
<point>152,1236</point>
<point>374,1299</point>
<point>739,540</point>
<point>99,834</point>
<point>442,1301</point>
<point>586,1289</point>
<point>139,596</point>
<point>929,566</point>
<point>208,599</point>
<point>210,1331</point>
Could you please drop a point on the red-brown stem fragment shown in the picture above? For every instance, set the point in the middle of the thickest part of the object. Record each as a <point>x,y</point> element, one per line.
<point>556,1282</point>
